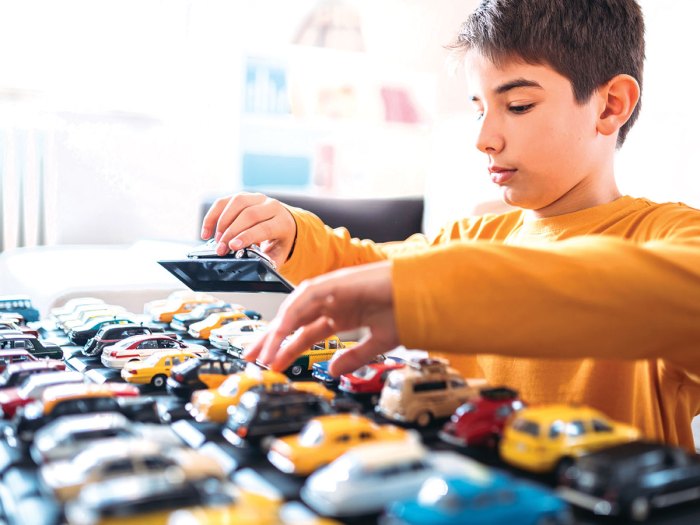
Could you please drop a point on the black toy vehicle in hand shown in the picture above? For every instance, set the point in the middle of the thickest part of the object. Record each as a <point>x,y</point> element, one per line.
<point>245,270</point>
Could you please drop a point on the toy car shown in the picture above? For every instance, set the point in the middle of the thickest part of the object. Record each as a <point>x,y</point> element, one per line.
<point>199,313</point>
<point>155,369</point>
<point>144,499</point>
<point>203,329</point>
<point>212,404</point>
<point>11,324</point>
<point>15,373</point>
<point>165,313</point>
<point>369,379</point>
<point>20,304</point>
<point>80,335</point>
<point>321,351</point>
<point>365,478</point>
<point>201,373</point>
<point>548,438</point>
<point>119,457</point>
<point>87,313</point>
<point>480,497</point>
<point>31,344</point>
<point>62,400</point>
<point>280,411</point>
<point>424,391</point>
<point>67,436</point>
<point>71,305</point>
<point>14,356</point>
<point>481,420</point>
<point>325,438</point>
<point>139,347</point>
<point>631,479</point>
<point>111,334</point>
<point>227,338</point>
<point>32,388</point>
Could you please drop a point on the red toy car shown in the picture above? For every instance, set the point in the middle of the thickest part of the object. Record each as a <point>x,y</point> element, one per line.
<point>14,356</point>
<point>32,388</point>
<point>14,373</point>
<point>369,379</point>
<point>480,421</point>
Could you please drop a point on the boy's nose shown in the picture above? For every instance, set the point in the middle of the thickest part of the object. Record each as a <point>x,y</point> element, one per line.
<point>489,139</point>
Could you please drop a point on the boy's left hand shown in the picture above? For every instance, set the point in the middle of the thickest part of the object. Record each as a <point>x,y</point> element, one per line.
<point>346,299</point>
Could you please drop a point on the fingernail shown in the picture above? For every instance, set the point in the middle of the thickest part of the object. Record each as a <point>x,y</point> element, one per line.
<point>221,248</point>
<point>205,233</point>
<point>236,244</point>
<point>217,237</point>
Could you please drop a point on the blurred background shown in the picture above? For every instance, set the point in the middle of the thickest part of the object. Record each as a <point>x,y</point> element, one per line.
<point>118,119</point>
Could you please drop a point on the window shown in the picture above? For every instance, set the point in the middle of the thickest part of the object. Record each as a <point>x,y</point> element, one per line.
<point>504,411</point>
<point>457,382</point>
<point>601,426</point>
<point>343,438</point>
<point>123,466</point>
<point>333,344</point>
<point>527,427</point>
<point>167,343</point>
<point>430,386</point>
<point>157,463</point>
<point>148,345</point>
<point>575,428</point>
<point>167,361</point>
<point>556,429</point>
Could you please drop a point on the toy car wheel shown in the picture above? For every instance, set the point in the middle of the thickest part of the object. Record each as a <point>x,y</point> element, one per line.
<point>560,473</point>
<point>297,370</point>
<point>158,381</point>
<point>424,419</point>
<point>639,509</point>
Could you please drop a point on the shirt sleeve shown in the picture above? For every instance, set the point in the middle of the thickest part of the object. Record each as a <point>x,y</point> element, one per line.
<point>586,297</point>
<point>319,249</point>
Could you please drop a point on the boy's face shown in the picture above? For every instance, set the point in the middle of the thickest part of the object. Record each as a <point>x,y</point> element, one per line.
<point>544,148</point>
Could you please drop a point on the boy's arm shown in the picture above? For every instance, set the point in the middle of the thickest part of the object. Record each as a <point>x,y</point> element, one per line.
<point>319,249</point>
<point>597,297</point>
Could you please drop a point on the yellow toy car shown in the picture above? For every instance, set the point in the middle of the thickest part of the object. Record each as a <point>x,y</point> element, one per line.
<point>155,369</point>
<point>321,351</point>
<point>325,438</point>
<point>549,438</point>
<point>202,329</point>
<point>262,512</point>
<point>165,313</point>
<point>212,404</point>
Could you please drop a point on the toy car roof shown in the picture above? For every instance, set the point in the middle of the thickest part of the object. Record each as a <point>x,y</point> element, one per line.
<point>246,270</point>
<point>429,365</point>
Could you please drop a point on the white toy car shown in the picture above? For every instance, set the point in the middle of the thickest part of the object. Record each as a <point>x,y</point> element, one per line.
<point>229,335</point>
<point>139,347</point>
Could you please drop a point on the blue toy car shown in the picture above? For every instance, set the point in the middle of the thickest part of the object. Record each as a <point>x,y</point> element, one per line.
<point>487,498</point>
<point>319,371</point>
<point>19,304</point>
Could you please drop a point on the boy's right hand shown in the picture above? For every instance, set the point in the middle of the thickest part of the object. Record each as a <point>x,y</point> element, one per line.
<point>251,218</point>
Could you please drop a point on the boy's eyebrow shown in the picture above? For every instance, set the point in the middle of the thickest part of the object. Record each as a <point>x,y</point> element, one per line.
<point>517,83</point>
<point>513,84</point>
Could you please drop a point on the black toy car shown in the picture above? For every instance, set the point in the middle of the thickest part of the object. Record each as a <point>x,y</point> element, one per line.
<point>31,344</point>
<point>278,411</point>
<point>80,335</point>
<point>632,479</point>
<point>110,334</point>
<point>82,399</point>
<point>200,373</point>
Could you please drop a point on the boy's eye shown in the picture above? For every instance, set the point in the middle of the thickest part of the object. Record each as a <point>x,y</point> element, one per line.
<point>521,109</point>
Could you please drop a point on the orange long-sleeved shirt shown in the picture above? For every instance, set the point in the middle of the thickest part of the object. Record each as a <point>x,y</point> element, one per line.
<point>599,306</point>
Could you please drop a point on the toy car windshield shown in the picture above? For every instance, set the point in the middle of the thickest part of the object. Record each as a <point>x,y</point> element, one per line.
<point>245,270</point>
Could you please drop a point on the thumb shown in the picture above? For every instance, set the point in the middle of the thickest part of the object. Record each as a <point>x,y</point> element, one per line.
<point>355,357</point>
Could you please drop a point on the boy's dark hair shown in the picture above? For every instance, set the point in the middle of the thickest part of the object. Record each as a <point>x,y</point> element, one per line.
<point>587,41</point>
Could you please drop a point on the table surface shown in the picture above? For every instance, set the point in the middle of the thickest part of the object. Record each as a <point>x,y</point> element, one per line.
<point>24,502</point>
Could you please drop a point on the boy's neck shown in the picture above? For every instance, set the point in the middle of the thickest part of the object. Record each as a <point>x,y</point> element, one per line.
<point>576,199</point>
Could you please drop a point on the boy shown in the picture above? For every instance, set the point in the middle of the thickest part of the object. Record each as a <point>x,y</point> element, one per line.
<point>582,296</point>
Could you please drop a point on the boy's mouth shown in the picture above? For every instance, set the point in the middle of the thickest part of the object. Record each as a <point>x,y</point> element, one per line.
<point>500,175</point>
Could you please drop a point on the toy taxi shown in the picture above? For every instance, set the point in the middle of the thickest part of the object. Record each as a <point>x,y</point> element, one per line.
<point>321,351</point>
<point>155,369</point>
<point>201,373</point>
<point>203,329</point>
<point>548,438</point>
<point>325,438</point>
<point>164,313</point>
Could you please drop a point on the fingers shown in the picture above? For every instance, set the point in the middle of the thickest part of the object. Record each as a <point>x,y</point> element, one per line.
<point>360,354</point>
<point>212,216</point>
<point>301,341</point>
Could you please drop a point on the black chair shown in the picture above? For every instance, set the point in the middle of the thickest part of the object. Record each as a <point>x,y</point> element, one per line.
<point>380,219</point>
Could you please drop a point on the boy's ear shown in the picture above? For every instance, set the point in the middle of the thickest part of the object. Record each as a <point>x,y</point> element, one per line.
<point>618,98</point>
